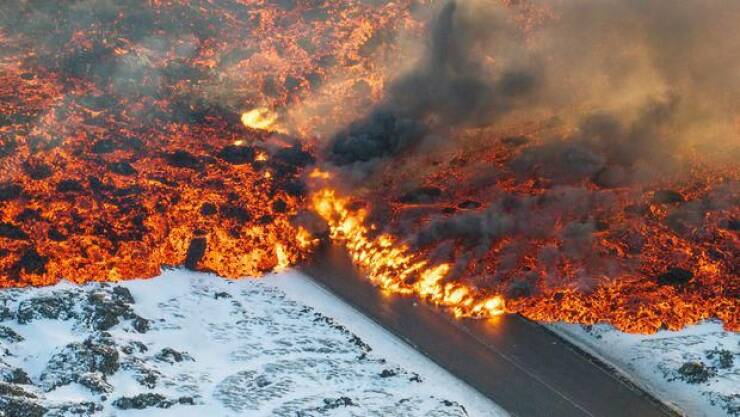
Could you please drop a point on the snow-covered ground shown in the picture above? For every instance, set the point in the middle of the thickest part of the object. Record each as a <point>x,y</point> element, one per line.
<point>696,370</point>
<point>189,344</point>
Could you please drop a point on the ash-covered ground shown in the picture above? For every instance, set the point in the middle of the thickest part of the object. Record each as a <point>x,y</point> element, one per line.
<point>190,344</point>
<point>696,370</point>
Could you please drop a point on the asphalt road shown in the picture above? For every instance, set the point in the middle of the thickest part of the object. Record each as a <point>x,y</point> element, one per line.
<point>520,365</point>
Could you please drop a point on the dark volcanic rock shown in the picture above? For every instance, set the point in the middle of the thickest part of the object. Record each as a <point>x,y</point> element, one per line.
<point>724,359</point>
<point>330,404</point>
<point>7,389</point>
<point>9,335</point>
<point>13,232</point>
<point>170,355</point>
<point>16,407</point>
<point>294,156</point>
<point>103,146</point>
<point>237,155</point>
<point>83,409</point>
<point>106,309</point>
<point>667,197</point>
<point>235,212</point>
<point>10,192</point>
<point>695,372</point>
<point>142,401</point>
<point>183,159</point>
<point>87,363</point>
<point>16,376</point>
<point>141,324</point>
<point>122,168</point>
<point>675,276</point>
<point>208,209</point>
<point>58,306</point>
<point>37,171</point>
<point>69,186</point>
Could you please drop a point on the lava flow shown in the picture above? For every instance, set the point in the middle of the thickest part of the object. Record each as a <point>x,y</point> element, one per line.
<point>493,166</point>
<point>394,267</point>
<point>127,143</point>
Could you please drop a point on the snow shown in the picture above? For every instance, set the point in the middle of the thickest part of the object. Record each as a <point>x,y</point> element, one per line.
<point>654,362</point>
<point>277,346</point>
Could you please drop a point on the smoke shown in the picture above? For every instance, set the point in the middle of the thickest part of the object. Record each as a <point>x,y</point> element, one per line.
<point>634,79</point>
<point>451,86</point>
<point>595,102</point>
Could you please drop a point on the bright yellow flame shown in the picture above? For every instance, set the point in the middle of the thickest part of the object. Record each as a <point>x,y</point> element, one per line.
<point>283,260</point>
<point>261,156</point>
<point>305,239</point>
<point>261,118</point>
<point>319,174</point>
<point>393,267</point>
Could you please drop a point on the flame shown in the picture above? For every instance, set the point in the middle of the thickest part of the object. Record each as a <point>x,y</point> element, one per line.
<point>395,268</point>
<point>283,259</point>
<point>102,182</point>
<point>261,118</point>
<point>319,174</point>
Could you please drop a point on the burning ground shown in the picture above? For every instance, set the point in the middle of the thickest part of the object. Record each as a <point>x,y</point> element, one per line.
<point>567,161</point>
<point>121,142</point>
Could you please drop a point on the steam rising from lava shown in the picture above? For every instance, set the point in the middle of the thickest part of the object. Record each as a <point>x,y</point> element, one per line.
<point>637,79</point>
<point>571,160</point>
<point>578,157</point>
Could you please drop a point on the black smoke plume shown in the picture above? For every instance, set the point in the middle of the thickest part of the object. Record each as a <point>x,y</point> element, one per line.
<point>635,79</point>
<point>450,87</point>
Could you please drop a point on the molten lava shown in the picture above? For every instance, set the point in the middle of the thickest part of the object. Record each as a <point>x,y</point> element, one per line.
<point>125,147</point>
<point>394,267</point>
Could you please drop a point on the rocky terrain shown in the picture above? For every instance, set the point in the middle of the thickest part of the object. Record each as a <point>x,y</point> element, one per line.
<point>191,344</point>
<point>697,369</point>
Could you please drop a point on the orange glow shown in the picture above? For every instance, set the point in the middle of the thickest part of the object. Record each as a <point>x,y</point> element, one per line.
<point>393,267</point>
<point>185,154</point>
<point>261,118</point>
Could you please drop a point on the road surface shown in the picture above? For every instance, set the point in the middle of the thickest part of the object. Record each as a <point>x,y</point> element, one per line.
<point>520,365</point>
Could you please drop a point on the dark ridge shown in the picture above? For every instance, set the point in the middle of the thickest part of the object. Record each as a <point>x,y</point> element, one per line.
<point>208,209</point>
<point>183,159</point>
<point>10,192</point>
<point>13,232</point>
<point>37,171</point>
<point>294,156</point>
<point>69,186</point>
<point>103,146</point>
<point>237,155</point>
<point>235,212</point>
<point>675,277</point>
<point>57,236</point>
<point>122,168</point>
